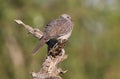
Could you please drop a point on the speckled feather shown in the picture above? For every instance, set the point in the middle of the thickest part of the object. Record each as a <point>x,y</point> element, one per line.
<point>57,28</point>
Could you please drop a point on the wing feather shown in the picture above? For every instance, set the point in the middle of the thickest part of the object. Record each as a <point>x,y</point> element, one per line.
<point>58,27</point>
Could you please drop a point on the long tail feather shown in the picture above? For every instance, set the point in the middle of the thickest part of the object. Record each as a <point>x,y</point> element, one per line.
<point>41,43</point>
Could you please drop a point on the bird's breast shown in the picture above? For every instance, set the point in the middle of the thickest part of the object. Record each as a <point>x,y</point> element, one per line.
<point>66,36</point>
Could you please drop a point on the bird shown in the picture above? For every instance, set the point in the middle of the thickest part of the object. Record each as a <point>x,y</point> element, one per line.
<point>59,29</point>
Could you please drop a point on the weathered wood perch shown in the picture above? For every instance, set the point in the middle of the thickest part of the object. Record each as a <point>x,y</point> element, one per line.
<point>55,55</point>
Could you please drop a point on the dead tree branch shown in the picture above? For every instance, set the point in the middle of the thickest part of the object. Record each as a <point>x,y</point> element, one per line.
<point>34,31</point>
<point>55,55</point>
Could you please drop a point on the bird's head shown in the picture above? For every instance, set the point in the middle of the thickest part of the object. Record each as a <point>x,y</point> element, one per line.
<point>66,16</point>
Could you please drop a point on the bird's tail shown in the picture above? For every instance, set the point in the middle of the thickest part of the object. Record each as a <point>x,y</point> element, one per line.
<point>41,43</point>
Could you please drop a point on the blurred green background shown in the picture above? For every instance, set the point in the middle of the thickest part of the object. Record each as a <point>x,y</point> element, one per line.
<point>93,49</point>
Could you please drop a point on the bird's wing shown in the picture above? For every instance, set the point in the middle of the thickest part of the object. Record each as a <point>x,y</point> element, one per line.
<point>58,27</point>
<point>65,28</point>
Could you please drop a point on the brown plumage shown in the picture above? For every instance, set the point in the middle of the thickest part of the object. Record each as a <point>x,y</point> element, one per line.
<point>60,28</point>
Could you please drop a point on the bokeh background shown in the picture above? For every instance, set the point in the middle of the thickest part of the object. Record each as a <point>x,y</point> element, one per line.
<point>93,49</point>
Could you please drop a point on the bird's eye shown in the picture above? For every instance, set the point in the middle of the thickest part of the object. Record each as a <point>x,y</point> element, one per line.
<point>67,17</point>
